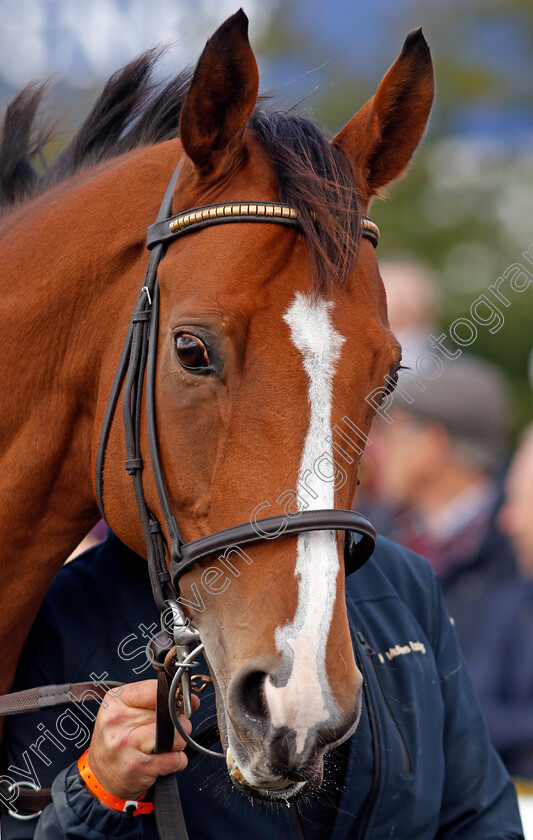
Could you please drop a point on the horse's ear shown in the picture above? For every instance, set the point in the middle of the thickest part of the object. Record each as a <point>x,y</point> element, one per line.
<point>221,98</point>
<point>383,135</point>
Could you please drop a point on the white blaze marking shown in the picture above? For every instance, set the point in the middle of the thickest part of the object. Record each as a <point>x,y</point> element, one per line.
<point>303,701</point>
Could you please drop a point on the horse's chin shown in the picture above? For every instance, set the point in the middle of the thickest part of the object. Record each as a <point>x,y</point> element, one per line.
<point>277,789</point>
<point>287,791</point>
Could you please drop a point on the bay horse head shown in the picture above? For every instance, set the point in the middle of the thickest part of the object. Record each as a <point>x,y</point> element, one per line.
<point>270,342</point>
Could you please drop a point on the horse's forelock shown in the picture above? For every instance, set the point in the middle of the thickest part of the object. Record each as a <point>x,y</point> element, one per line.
<point>317,180</point>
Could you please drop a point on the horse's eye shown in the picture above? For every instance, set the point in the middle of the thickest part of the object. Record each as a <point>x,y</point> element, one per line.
<point>191,352</point>
<point>392,382</point>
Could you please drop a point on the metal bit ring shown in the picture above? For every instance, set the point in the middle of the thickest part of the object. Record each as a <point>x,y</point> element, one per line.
<point>175,685</point>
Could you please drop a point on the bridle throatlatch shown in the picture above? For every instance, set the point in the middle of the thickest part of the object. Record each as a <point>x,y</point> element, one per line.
<point>171,652</point>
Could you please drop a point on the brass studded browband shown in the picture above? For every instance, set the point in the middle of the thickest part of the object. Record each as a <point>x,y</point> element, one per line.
<point>242,211</point>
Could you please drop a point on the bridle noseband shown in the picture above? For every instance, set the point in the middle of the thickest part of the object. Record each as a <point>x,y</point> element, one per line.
<point>138,358</point>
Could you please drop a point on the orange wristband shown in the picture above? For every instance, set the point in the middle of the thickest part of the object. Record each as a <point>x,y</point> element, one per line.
<point>128,806</point>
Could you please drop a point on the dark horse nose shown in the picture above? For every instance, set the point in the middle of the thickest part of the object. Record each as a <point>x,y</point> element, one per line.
<point>250,715</point>
<point>247,704</point>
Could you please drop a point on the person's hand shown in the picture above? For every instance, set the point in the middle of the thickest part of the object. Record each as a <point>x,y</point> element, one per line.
<point>120,754</point>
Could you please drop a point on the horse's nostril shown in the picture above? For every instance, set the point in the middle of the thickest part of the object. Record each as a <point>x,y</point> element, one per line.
<point>252,697</point>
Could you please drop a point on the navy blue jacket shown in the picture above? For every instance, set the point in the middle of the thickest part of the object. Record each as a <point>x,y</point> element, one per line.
<point>492,607</point>
<point>419,765</point>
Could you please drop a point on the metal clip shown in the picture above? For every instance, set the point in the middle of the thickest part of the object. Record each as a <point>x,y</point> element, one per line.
<point>146,289</point>
<point>184,635</point>
<point>182,630</point>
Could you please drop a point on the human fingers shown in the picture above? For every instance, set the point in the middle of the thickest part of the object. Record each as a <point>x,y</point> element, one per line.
<point>137,695</point>
<point>131,773</point>
<point>143,738</point>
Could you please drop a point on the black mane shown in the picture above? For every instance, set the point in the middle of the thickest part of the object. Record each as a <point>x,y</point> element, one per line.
<point>315,178</point>
<point>129,113</point>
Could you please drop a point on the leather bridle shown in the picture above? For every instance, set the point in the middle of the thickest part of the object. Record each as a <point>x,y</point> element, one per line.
<point>137,362</point>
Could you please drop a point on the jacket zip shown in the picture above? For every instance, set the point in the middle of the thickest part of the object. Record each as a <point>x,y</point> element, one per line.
<point>370,654</point>
<point>372,797</point>
<point>374,790</point>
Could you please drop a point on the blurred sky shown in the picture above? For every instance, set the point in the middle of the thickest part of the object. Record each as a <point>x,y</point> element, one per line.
<point>84,41</point>
<point>81,42</point>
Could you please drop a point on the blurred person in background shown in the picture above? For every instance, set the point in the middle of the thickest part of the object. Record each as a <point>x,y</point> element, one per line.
<point>516,516</point>
<point>439,461</point>
<point>412,303</point>
<point>516,519</point>
<point>413,310</point>
<point>439,464</point>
